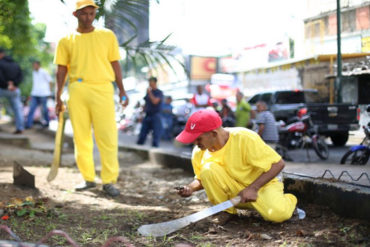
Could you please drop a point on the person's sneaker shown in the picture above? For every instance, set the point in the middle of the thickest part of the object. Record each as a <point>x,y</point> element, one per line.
<point>17,132</point>
<point>222,218</point>
<point>85,186</point>
<point>298,214</point>
<point>301,213</point>
<point>111,190</point>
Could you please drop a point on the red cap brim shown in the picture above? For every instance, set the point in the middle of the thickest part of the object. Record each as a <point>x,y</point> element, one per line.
<point>187,137</point>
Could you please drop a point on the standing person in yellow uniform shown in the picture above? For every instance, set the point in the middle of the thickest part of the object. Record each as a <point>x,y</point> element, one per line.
<point>90,58</point>
<point>235,161</point>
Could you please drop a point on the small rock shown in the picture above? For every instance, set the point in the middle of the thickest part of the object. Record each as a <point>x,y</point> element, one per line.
<point>59,205</point>
<point>301,233</point>
<point>212,230</point>
<point>319,233</point>
<point>184,245</point>
<point>265,236</point>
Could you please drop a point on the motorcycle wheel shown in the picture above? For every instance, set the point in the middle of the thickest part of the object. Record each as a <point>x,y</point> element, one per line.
<point>358,157</point>
<point>283,152</point>
<point>321,148</point>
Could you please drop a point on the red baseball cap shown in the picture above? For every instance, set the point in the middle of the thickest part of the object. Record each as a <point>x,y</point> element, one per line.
<point>199,122</point>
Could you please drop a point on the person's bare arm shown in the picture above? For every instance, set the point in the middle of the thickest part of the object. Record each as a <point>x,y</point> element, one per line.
<point>11,86</point>
<point>188,190</point>
<point>61,77</point>
<point>261,128</point>
<point>153,99</point>
<point>118,77</point>
<point>249,194</point>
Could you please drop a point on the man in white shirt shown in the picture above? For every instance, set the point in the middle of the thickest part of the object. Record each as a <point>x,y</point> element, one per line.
<point>39,94</point>
<point>201,100</point>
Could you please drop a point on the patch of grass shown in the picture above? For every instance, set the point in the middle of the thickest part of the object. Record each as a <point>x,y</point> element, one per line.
<point>105,217</point>
<point>58,240</point>
<point>345,229</point>
<point>196,237</point>
<point>86,237</point>
<point>205,245</point>
<point>49,227</point>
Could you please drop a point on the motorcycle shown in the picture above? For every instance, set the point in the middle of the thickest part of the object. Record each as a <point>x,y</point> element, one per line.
<point>359,154</point>
<point>301,133</point>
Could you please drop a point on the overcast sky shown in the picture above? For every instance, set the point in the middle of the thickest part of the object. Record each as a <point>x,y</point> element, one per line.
<point>202,27</point>
<point>221,25</point>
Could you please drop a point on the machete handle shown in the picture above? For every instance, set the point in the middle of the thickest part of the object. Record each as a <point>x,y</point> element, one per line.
<point>179,188</point>
<point>236,200</point>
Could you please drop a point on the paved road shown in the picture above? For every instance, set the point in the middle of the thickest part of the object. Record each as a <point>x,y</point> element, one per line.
<point>298,155</point>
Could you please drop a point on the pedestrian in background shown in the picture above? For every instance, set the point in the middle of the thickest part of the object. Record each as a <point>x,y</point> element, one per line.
<point>242,112</point>
<point>10,78</point>
<point>39,94</point>
<point>91,56</point>
<point>266,122</point>
<point>227,114</point>
<point>167,118</point>
<point>152,120</point>
<point>200,99</point>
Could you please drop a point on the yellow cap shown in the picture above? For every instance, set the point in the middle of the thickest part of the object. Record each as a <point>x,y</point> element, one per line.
<point>80,4</point>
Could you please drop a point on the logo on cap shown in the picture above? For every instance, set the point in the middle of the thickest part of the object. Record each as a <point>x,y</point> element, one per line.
<point>204,121</point>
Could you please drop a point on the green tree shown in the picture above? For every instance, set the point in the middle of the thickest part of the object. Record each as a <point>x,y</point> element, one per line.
<point>15,27</point>
<point>23,40</point>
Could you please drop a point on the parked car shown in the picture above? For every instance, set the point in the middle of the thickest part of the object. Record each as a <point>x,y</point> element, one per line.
<point>333,120</point>
<point>182,108</point>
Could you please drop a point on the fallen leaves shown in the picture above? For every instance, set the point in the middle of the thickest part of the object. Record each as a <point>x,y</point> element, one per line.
<point>24,207</point>
<point>5,217</point>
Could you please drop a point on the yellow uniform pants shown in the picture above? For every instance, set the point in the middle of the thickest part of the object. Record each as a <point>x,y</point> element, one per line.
<point>91,108</point>
<point>272,203</point>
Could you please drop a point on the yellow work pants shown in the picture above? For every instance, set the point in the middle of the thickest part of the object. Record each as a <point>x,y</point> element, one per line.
<point>272,203</point>
<point>91,108</point>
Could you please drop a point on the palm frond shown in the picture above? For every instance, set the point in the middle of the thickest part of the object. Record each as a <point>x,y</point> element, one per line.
<point>123,16</point>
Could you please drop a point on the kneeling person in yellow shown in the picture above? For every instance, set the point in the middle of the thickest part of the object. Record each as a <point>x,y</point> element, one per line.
<point>235,161</point>
<point>90,57</point>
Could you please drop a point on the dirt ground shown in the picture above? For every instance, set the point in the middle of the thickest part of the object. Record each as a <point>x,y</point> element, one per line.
<point>148,196</point>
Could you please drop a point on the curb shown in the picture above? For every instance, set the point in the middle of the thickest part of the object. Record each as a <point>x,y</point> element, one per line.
<point>344,199</point>
<point>66,139</point>
<point>17,140</point>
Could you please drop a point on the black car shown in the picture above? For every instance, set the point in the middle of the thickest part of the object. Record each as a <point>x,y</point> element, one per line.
<point>285,103</point>
<point>334,120</point>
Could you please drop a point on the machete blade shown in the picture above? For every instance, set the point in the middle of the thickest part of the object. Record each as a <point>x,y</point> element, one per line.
<point>57,157</point>
<point>165,228</point>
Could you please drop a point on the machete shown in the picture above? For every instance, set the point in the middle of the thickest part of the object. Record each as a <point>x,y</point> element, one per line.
<point>59,136</point>
<point>165,228</point>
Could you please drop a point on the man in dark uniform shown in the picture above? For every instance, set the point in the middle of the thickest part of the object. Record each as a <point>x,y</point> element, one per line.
<point>152,120</point>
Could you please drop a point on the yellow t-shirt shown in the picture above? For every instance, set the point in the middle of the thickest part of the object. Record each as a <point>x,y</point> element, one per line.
<point>245,156</point>
<point>88,56</point>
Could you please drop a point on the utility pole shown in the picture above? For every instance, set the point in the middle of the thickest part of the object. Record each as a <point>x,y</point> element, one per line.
<point>339,56</point>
